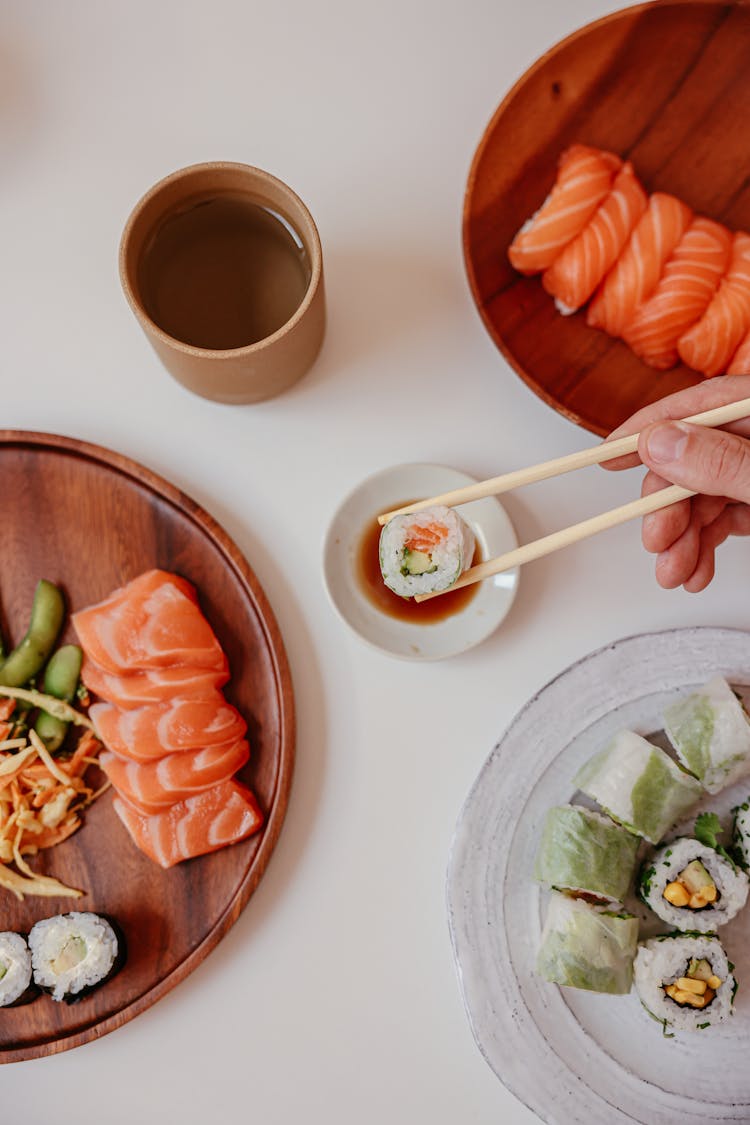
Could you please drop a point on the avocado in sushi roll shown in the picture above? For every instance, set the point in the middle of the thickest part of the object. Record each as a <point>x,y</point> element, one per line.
<point>73,953</point>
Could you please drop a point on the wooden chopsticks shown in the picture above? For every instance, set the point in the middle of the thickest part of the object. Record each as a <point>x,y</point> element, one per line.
<point>604,451</point>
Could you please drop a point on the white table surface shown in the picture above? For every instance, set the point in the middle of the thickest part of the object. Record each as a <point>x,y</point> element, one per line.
<point>334,998</point>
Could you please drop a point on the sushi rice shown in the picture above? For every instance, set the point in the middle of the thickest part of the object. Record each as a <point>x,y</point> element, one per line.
<point>72,953</point>
<point>662,879</point>
<point>15,968</point>
<point>668,962</point>
<point>425,552</point>
<point>742,832</point>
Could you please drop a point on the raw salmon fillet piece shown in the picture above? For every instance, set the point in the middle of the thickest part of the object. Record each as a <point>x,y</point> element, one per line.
<point>690,279</point>
<point>584,176</point>
<point>151,622</point>
<point>148,732</point>
<point>740,364</point>
<point>709,345</point>
<point>154,786</point>
<point>219,816</point>
<point>578,269</point>
<point>156,686</point>
<point>637,271</point>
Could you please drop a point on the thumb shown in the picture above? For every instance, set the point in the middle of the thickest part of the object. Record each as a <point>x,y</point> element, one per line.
<point>713,462</point>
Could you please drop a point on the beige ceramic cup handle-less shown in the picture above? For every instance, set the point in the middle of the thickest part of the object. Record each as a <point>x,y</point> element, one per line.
<point>236,375</point>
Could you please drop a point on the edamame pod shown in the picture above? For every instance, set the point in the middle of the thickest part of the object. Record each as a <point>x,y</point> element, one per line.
<point>61,680</point>
<point>30,655</point>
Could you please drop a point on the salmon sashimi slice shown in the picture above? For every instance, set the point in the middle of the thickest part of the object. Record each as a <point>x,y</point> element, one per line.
<point>584,177</point>
<point>690,279</point>
<point>709,345</point>
<point>153,730</point>
<point>578,269</point>
<point>156,686</point>
<point>740,363</point>
<point>151,622</point>
<point>153,786</point>
<point>223,815</point>
<point>638,269</point>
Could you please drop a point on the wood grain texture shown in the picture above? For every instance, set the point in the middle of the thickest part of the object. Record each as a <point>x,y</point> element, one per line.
<point>666,85</point>
<point>90,520</point>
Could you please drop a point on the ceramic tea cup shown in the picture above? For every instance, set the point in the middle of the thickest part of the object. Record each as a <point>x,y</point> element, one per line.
<point>222,265</point>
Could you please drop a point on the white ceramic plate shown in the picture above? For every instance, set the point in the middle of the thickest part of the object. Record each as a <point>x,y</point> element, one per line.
<point>572,1056</point>
<point>494,533</point>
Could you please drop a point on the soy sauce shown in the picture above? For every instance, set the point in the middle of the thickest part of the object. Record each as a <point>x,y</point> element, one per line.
<point>405,609</point>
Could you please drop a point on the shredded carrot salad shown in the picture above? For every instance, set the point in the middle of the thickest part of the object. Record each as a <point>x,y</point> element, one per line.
<point>41,799</point>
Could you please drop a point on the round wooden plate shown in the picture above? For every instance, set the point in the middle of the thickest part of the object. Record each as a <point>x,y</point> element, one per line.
<point>89,520</point>
<point>666,85</point>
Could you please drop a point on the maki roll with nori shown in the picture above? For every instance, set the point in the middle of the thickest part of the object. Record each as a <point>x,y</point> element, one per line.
<point>15,969</point>
<point>685,980</point>
<point>586,946</point>
<point>583,852</point>
<point>692,887</point>
<point>73,953</point>
<point>425,552</point>
<point>742,833</point>
<point>710,733</point>
<point>639,786</point>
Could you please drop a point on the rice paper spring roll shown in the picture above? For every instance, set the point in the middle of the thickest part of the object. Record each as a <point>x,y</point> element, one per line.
<point>692,887</point>
<point>585,946</point>
<point>584,852</point>
<point>710,733</point>
<point>639,786</point>
<point>425,552</point>
<point>685,980</point>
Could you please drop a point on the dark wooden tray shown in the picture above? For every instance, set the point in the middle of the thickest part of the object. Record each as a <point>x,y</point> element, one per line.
<point>89,520</point>
<point>666,85</point>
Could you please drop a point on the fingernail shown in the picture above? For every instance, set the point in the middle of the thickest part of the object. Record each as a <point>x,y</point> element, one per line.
<point>666,442</point>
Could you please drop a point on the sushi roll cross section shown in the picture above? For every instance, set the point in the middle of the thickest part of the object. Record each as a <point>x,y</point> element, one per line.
<point>589,947</point>
<point>692,887</point>
<point>584,853</point>
<point>73,953</point>
<point>15,968</point>
<point>685,980</point>
<point>639,786</point>
<point>741,832</point>
<point>425,552</point>
<point>710,733</point>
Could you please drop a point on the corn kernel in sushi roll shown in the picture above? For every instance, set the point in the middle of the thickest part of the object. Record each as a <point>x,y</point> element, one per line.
<point>583,852</point>
<point>692,887</point>
<point>710,733</point>
<point>425,552</point>
<point>585,946</point>
<point>685,980</point>
<point>639,786</point>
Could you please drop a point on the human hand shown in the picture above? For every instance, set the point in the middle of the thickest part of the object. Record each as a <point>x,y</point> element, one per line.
<point>715,463</point>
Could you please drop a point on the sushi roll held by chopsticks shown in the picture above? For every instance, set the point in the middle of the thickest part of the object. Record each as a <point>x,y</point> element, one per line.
<point>425,552</point>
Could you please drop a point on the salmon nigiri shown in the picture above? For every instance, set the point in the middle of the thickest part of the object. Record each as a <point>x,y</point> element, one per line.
<point>151,622</point>
<point>709,345</point>
<point>578,269</point>
<point>223,815</point>
<point>153,786</point>
<point>690,279</point>
<point>636,272</point>
<point>584,177</point>
<point>146,733</point>
<point>740,363</point>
